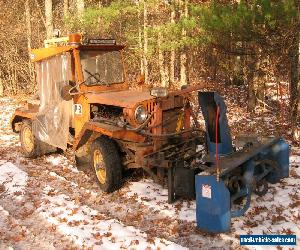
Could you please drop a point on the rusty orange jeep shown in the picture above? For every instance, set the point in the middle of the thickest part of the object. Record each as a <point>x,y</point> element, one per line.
<point>84,103</point>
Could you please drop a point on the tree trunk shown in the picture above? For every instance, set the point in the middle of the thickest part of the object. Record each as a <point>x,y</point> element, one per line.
<point>28,25</point>
<point>48,15</point>
<point>66,8</point>
<point>146,42</point>
<point>294,75</point>
<point>166,68</point>
<point>251,86</point>
<point>161,60</point>
<point>172,53</point>
<point>183,55</point>
<point>295,88</point>
<point>140,39</point>
<point>1,86</point>
<point>80,7</point>
<point>28,32</point>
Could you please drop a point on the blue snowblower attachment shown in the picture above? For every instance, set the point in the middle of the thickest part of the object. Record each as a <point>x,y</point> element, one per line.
<point>232,176</point>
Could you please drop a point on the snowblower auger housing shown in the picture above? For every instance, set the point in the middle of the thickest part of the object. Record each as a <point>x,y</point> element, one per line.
<point>84,102</point>
<point>233,174</point>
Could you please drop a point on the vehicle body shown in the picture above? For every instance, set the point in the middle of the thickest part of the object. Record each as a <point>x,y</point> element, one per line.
<point>85,103</point>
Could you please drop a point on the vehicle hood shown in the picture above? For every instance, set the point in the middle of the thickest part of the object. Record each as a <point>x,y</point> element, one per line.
<point>123,98</point>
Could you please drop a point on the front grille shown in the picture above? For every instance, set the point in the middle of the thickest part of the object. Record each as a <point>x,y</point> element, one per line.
<point>150,106</point>
<point>168,122</point>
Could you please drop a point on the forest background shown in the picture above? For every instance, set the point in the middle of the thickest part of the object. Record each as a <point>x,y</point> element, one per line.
<point>250,44</point>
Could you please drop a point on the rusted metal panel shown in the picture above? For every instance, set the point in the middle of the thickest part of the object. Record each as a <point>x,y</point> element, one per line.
<point>126,98</point>
<point>82,117</point>
<point>187,90</point>
<point>101,89</point>
<point>126,135</point>
<point>20,114</point>
<point>108,130</point>
<point>167,103</point>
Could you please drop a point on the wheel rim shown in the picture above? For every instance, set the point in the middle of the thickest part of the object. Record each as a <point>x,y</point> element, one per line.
<point>99,166</point>
<point>28,139</point>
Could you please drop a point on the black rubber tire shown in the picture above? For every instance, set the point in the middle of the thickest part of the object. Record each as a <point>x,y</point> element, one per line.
<point>261,187</point>
<point>112,163</point>
<point>83,164</point>
<point>26,124</point>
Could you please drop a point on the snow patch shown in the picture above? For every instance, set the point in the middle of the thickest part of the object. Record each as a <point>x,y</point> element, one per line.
<point>156,197</point>
<point>60,160</point>
<point>53,174</point>
<point>88,228</point>
<point>13,179</point>
<point>3,219</point>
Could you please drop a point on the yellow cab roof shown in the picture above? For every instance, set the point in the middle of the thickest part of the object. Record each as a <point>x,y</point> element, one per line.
<point>44,53</point>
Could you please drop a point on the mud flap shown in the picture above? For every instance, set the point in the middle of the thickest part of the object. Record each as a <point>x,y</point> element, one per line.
<point>181,183</point>
<point>184,183</point>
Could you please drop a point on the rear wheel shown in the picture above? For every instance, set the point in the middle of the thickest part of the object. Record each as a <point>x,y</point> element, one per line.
<point>29,143</point>
<point>31,146</point>
<point>106,163</point>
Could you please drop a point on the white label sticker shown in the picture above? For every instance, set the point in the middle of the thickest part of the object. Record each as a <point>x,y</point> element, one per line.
<point>206,191</point>
<point>77,109</point>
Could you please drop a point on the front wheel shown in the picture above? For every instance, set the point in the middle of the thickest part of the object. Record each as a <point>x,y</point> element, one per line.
<point>106,163</point>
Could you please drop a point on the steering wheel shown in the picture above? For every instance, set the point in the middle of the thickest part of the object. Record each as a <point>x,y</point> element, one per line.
<point>96,76</point>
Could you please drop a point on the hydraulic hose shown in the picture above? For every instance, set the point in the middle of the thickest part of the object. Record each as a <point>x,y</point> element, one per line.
<point>217,133</point>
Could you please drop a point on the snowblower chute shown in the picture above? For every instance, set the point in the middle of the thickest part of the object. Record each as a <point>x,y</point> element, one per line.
<point>233,175</point>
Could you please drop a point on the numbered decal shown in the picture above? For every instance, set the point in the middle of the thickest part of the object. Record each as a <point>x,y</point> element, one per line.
<point>77,109</point>
<point>206,191</point>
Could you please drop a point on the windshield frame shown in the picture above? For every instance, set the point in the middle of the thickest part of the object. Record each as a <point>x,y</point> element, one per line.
<point>103,50</point>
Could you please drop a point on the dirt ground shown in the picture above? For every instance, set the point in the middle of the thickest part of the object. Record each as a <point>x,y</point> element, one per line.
<point>49,203</point>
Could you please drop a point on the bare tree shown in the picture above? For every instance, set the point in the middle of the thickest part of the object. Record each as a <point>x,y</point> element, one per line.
<point>66,8</point>
<point>1,86</point>
<point>295,87</point>
<point>48,15</point>
<point>172,53</point>
<point>80,7</point>
<point>161,60</point>
<point>28,24</point>
<point>183,55</point>
<point>146,72</point>
<point>28,31</point>
<point>140,38</point>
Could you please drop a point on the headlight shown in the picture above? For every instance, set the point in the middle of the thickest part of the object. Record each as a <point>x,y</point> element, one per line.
<point>140,114</point>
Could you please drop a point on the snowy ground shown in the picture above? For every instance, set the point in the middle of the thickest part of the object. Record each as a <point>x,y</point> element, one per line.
<point>48,203</point>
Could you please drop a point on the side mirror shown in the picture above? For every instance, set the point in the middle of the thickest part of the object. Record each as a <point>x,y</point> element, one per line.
<point>65,93</point>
